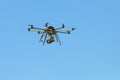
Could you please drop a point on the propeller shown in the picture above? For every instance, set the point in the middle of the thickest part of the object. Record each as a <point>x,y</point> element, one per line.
<point>31,26</point>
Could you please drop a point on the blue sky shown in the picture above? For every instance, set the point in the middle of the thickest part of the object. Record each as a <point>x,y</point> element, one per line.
<point>91,52</point>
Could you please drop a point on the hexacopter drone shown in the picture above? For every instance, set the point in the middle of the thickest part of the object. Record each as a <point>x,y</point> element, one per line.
<point>49,31</point>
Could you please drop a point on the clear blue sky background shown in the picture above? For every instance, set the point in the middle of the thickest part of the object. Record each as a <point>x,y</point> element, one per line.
<point>92,52</point>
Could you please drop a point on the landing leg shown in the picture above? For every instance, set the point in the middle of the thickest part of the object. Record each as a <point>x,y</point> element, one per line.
<point>45,39</point>
<point>42,37</point>
<point>57,38</point>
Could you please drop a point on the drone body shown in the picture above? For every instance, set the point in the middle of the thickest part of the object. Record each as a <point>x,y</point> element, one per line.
<point>50,32</point>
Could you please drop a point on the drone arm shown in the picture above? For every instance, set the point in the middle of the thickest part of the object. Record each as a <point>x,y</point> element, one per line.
<point>35,30</point>
<point>65,31</point>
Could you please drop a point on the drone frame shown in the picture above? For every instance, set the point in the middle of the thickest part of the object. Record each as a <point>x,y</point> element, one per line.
<point>49,31</point>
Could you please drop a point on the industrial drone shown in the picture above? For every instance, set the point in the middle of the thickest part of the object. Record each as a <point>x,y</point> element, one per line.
<point>50,34</point>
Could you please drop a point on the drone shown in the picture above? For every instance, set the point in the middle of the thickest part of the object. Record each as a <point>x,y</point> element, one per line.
<point>50,34</point>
